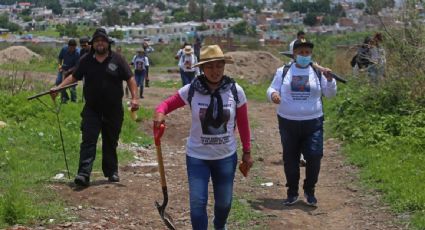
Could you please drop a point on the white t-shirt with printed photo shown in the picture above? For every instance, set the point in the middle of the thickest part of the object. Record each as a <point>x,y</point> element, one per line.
<point>300,93</point>
<point>209,142</point>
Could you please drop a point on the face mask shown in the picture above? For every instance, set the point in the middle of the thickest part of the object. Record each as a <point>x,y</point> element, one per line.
<point>303,61</point>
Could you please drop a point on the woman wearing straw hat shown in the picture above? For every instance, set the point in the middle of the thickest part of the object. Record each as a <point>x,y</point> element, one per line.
<point>187,65</point>
<point>218,104</point>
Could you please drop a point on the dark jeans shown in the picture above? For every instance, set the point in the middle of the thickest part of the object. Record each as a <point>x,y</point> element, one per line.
<point>92,124</point>
<point>186,77</point>
<point>222,173</point>
<point>140,81</point>
<point>306,137</point>
<point>64,94</point>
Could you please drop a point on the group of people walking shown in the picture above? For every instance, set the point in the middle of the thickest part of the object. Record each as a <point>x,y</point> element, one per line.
<point>218,105</point>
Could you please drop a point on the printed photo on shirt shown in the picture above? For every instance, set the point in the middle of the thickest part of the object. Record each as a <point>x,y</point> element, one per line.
<point>300,87</point>
<point>212,124</point>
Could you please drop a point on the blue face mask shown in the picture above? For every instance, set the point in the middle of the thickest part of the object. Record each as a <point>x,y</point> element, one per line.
<point>303,61</point>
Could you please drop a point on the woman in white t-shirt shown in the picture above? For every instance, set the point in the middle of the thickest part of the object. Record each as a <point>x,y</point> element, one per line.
<point>218,105</point>
<point>300,114</point>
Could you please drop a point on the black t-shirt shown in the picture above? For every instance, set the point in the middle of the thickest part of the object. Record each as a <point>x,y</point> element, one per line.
<point>103,89</point>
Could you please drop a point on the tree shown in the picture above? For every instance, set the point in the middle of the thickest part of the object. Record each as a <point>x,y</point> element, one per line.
<point>111,17</point>
<point>161,6</point>
<point>310,19</point>
<point>147,18</point>
<point>220,10</point>
<point>136,17</point>
<point>117,34</point>
<point>5,23</point>
<point>242,28</point>
<point>70,30</point>
<point>193,7</point>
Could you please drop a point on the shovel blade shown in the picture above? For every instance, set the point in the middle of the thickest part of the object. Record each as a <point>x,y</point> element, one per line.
<point>165,217</point>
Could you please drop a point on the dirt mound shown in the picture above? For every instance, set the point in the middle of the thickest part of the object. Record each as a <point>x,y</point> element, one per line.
<point>17,54</point>
<point>254,66</point>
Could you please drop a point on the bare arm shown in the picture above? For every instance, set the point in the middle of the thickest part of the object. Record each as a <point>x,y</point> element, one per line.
<point>134,97</point>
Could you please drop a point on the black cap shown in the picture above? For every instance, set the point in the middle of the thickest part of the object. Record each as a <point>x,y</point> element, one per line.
<point>72,42</point>
<point>84,39</point>
<point>303,43</point>
<point>100,32</point>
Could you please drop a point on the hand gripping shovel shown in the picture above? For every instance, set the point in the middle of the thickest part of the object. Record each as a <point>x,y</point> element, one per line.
<point>157,132</point>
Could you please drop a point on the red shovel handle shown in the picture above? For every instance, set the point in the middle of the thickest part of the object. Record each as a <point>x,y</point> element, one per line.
<point>157,133</point>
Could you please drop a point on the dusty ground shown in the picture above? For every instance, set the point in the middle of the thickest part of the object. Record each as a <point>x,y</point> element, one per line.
<point>17,54</point>
<point>129,204</point>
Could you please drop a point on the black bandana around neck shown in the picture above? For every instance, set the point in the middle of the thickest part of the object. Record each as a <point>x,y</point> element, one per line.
<point>215,109</point>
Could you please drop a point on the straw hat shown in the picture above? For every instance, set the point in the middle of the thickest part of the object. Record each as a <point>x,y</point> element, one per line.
<point>213,53</point>
<point>188,49</point>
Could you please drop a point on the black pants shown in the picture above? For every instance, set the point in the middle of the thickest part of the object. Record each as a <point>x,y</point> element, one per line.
<point>92,124</point>
<point>306,137</point>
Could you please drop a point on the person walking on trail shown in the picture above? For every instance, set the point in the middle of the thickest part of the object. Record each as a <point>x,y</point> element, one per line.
<point>298,93</point>
<point>180,52</point>
<point>197,47</point>
<point>84,45</point>
<point>376,70</point>
<point>187,65</point>
<point>140,63</point>
<point>103,71</point>
<point>67,59</point>
<point>300,35</point>
<point>218,105</point>
<point>148,49</point>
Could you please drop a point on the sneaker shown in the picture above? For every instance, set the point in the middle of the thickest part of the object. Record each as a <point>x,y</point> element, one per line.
<point>141,96</point>
<point>81,180</point>
<point>310,199</point>
<point>290,200</point>
<point>114,178</point>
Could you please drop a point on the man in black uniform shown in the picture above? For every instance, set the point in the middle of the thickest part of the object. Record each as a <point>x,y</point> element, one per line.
<point>103,71</point>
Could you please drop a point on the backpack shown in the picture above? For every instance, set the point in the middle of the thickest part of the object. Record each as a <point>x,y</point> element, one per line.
<point>192,92</point>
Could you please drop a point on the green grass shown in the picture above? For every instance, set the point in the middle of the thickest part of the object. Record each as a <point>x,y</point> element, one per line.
<point>255,92</point>
<point>383,132</point>
<point>50,32</point>
<point>169,84</point>
<point>243,216</point>
<point>31,154</point>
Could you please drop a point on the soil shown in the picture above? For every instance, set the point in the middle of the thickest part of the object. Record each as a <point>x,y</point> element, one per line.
<point>254,66</point>
<point>14,54</point>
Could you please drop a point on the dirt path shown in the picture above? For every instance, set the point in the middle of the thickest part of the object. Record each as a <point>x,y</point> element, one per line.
<point>129,204</point>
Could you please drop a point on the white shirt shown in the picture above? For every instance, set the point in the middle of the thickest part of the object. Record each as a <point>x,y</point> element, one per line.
<point>186,62</point>
<point>207,142</point>
<point>291,46</point>
<point>300,93</point>
<point>140,62</point>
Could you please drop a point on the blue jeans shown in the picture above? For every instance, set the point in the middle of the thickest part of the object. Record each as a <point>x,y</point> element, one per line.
<point>187,77</point>
<point>140,81</point>
<point>306,137</point>
<point>64,94</point>
<point>222,173</point>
